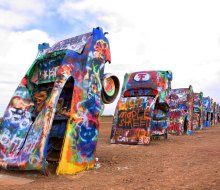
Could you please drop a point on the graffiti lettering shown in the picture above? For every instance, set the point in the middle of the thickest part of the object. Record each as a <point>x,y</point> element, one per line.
<point>48,74</point>
<point>175,114</point>
<point>135,118</point>
<point>141,77</point>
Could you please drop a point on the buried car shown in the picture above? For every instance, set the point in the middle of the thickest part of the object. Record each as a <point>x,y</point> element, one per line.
<point>213,103</point>
<point>214,113</point>
<point>218,113</point>
<point>181,111</point>
<point>198,110</point>
<point>207,111</point>
<point>142,110</point>
<point>54,112</point>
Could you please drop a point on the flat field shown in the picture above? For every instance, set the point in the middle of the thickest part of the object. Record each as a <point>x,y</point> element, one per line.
<point>181,162</point>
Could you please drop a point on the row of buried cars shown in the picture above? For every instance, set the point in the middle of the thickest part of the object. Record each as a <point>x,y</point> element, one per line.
<point>148,107</point>
<point>53,115</point>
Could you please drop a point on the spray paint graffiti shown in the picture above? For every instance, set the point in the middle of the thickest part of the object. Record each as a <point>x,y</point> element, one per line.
<point>181,113</point>
<point>218,112</point>
<point>207,111</point>
<point>54,113</point>
<point>212,111</point>
<point>198,111</point>
<point>143,107</point>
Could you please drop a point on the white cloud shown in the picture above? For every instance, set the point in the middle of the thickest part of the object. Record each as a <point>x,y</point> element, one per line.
<point>32,6</point>
<point>169,35</point>
<point>182,36</point>
<point>20,13</point>
<point>12,20</point>
<point>17,52</point>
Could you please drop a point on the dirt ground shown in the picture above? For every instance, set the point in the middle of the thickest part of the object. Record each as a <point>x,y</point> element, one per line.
<point>181,162</point>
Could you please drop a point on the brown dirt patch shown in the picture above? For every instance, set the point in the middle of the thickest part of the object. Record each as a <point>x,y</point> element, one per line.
<point>181,162</point>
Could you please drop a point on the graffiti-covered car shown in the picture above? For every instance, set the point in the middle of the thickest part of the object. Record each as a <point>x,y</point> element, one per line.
<point>181,111</point>
<point>212,111</point>
<point>218,113</point>
<point>143,107</point>
<point>198,110</point>
<point>207,105</point>
<point>54,112</point>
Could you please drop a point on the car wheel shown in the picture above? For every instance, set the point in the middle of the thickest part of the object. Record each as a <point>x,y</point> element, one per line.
<point>166,134</point>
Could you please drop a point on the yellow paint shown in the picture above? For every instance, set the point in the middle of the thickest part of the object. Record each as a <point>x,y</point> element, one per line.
<point>67,166</point>
<point>71,168</point>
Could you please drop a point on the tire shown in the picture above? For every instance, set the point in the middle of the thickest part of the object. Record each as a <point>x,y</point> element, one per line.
<point>185,125</point>
<point>166,134</point>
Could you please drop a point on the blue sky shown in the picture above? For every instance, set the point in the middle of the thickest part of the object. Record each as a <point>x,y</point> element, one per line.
<point>182,36</point>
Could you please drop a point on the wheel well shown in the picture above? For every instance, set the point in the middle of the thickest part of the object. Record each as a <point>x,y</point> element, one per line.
<point>185,124</point>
